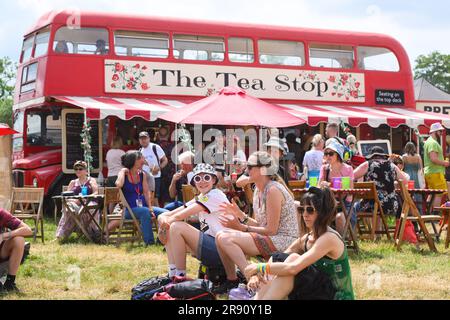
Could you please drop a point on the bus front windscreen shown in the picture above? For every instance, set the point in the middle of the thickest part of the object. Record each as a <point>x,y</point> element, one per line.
<point>43,128</point>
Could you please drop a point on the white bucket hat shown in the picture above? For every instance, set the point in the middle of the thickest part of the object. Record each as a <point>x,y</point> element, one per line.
<point>277,143</point>
<point>203,168</point>
<point>437,126</point>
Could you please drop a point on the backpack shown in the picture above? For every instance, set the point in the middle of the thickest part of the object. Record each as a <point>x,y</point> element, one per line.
<point>191,290</point>
<point>145,290</point>
<point>216,274</point>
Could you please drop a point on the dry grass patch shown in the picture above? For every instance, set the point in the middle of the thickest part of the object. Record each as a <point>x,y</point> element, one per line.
<point>107,272</point>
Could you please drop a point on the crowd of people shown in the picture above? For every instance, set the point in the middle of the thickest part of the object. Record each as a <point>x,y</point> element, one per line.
<point>297,240</point>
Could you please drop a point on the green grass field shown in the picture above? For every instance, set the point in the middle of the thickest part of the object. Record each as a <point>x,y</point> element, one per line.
<point>107,272</point>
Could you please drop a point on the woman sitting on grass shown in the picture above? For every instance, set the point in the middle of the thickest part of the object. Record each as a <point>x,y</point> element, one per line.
<point>274,228</point>
<point>315,266</point>
<point>177,235</point>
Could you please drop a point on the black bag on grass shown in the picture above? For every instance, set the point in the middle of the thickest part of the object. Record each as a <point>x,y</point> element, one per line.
<point>146,289</point>
<point>216,274</point>
<point>191,290</point>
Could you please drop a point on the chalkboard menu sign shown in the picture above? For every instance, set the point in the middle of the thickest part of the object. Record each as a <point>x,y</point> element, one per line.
<point>72,151</point>
<point>365,146</point>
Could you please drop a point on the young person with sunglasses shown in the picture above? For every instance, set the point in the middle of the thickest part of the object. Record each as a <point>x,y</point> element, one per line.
<point>315,266</point>
<point>334,167</point>
<point>273,229</point>
<point>83,182</point>
<point>178,236</point>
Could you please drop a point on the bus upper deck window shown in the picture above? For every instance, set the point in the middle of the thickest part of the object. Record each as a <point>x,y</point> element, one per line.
<point>27,48</point>
<point>375,58</point>
<point>81,41</point>
<point>41,45</point>
<point>288,53</point>
<point>191,47</point>
<point>28,79</point>
<point>141,44</point>
<point>240,50</point>
<point>331,56</point>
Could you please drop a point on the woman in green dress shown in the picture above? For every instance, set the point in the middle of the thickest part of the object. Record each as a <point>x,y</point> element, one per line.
<point>315,266</point>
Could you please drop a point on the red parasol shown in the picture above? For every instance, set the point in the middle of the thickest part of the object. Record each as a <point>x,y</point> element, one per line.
<point>6,130</point>
<point>232,106</point>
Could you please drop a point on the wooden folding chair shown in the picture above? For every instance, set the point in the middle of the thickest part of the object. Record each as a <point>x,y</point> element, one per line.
<point>189,193</point>
<point>129,229</point>
<point>409,207</point>
<point>27,204</point>
<point>367,222</point>
<point>112,211</point>
<point>248,190</point>
<point>57,208</point>
<point>296,184</point>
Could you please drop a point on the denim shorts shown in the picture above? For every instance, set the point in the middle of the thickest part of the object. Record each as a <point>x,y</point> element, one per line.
<point>207,251</point>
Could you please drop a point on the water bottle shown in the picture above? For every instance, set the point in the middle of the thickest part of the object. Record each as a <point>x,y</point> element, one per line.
<point>240,293</point>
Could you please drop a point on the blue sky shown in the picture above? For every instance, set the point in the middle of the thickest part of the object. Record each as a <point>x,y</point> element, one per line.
<point>420,26</point>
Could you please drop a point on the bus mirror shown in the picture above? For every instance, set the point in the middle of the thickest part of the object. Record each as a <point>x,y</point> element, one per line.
<point>56,113</point>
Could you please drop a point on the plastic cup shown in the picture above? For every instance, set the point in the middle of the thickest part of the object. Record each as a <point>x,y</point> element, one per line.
<point>314,173</point>
<point>337,183</point>
<point>313,181</point>
<point>411,184</point>
<point>345,182</point>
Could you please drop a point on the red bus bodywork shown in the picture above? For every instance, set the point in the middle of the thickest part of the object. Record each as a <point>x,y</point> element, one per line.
<point>84,75</point>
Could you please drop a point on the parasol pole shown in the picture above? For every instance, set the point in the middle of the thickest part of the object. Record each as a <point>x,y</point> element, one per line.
<point>87,145</point>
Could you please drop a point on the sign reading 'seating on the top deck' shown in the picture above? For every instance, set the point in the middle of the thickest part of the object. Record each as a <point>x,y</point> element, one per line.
<point>138,77</point>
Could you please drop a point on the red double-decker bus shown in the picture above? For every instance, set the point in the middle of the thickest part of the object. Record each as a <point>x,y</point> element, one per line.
<point>123,71</point>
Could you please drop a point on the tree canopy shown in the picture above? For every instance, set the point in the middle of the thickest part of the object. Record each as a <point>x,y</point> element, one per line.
<point>435,68</point>
<point>7,76</point>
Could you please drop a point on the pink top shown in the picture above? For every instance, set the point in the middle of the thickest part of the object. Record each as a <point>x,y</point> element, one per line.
<point>346,171</point>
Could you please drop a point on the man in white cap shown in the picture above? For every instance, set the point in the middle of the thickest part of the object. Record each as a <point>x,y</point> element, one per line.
<point>434,162</point>
<point>276,147</point>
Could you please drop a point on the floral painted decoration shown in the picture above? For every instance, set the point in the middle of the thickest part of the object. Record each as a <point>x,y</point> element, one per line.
<point>128,77</point>
<point>344,86</point>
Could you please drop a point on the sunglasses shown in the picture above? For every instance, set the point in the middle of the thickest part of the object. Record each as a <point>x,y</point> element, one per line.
<point>251,166</point>
<point>331,153</point>
<point>206,178</point>
<point>258,165</point>
<point>307,209</point>
<point>79,169</point>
